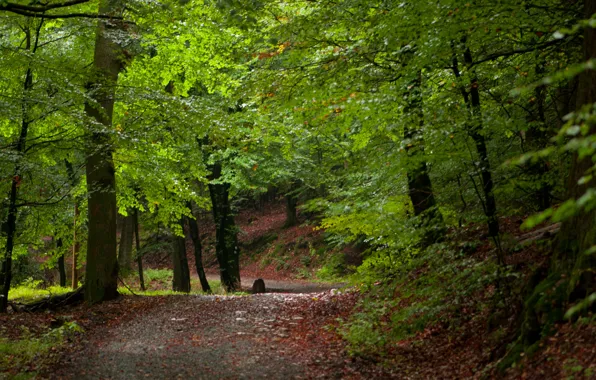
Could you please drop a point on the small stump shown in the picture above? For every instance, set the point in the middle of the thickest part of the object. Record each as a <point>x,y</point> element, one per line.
<point>258,286</point>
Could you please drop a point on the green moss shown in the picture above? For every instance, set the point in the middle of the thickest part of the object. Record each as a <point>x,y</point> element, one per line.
<point>195,290</point>
<point>27,293</point>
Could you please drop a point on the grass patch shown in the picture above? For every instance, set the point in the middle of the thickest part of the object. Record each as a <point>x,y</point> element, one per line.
<point>28,293</point>
<point>159,275</point>
<point>159,283</point>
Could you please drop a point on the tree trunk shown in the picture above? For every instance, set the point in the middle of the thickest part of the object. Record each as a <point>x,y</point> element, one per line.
<point>61,267</point>
<point>472,100</point>
<point>138,248</point>
<point>101,275</point>
<point>75,249</point>
<point>571,275</point>
<point>291,217</point>
<point>181,281</point>
<point>125,249</point>
<point>11,221</point>
<point>75,245</point>
<point>226,244</point>
<point>193,226</point>
<point>420,187</point>
<point>537,138</point>
<point>578,234</point>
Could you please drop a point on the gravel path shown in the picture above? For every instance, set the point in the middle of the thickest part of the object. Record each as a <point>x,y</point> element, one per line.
<point>212,337</point>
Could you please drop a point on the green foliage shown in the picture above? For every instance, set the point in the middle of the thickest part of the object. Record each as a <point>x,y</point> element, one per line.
<point>314,98</point>
<point>581,306</point>
<point>334,268</point>
<point>30,291</point>
<point>159,283</point>
<point>159,275</point>
<point>17,354</point>
<point>438,287</point>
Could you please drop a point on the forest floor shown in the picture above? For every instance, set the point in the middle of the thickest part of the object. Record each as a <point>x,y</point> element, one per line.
<point>273,335</point>
<point>290,332</point>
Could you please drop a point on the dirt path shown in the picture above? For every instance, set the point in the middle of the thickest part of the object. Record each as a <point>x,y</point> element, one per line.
<point>275,336</point>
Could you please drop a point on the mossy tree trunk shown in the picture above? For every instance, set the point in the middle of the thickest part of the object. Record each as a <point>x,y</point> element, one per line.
<point>226,241</point>
<point>101,275</point>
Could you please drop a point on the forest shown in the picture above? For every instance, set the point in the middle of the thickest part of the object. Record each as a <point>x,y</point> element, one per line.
<point>411,184</point>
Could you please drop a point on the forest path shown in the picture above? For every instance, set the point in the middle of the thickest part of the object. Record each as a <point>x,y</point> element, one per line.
<point>275,335</point>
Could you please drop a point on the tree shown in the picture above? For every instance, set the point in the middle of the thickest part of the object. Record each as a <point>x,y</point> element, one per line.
<point>35,132</point>
<point>126,240</point>
<point>571,277</point>
<point>181,280</point>
<point>101,274</point>
<point>139,256</point>
<point>226,241</point>
<point>195,235</point>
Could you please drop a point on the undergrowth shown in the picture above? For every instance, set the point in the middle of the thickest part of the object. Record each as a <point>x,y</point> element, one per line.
<point>32,290</point>
<point>158,282</point>
<point>32,352</point>
<point>437,287</point>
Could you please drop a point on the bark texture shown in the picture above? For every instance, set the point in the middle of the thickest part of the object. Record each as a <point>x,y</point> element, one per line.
<point>101,275</point>
<point>181,281</point>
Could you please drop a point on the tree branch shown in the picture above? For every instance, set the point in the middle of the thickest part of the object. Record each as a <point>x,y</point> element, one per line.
<point>56,16</point>
<point>494,56</point>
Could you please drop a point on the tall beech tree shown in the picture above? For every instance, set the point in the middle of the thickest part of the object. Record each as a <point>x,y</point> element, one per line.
<point>101,273</point>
